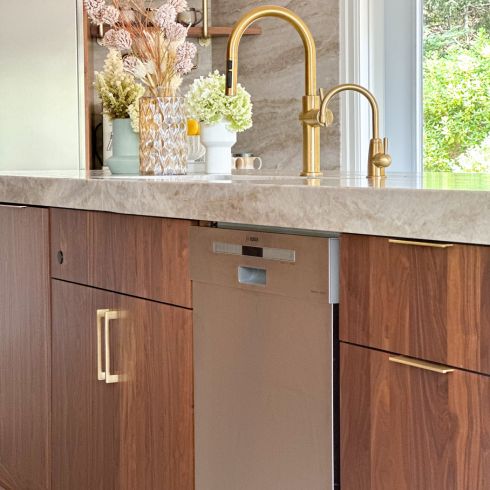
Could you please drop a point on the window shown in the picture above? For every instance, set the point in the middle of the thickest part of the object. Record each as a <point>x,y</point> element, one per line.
<point>428,63</point>
<point>456,79</point>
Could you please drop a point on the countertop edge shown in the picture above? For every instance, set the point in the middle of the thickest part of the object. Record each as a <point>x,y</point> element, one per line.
<point>456,216</point>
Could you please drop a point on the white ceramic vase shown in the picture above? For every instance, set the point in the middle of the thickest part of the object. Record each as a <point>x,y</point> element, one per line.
<point>218,140</point>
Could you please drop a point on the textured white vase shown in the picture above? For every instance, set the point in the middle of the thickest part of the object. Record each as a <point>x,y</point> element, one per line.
<point>218,140</point>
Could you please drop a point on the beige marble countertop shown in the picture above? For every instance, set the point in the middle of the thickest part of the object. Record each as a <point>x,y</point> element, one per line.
<point>442,207</point>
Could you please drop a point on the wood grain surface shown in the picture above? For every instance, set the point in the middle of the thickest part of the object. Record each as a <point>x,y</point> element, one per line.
<point>137,433</point>
<point>156,399</point>
<point>136,255</point>
<point>24,348</point>
<point>429,303</point>
<point>84,409</point>
<point>407,429</point>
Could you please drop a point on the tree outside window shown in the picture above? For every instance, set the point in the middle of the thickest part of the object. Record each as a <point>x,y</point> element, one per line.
<point>457,86</point>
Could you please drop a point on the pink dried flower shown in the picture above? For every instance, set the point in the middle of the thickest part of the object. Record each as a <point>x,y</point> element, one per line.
<point>130,63</point>
<point>185,57</point>
<point>178,5</point>
<point>117,38</point>
<point>110,15</point>
<point>165,15</point>
<point>175,32</point>
<point>94,4</point>
<point>96,10</point>
<point>134,66</point>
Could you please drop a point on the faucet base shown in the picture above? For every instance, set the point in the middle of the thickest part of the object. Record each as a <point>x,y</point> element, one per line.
<point>311,175</point>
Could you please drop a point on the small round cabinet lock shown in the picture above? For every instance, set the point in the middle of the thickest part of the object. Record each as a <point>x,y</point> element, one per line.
<point>60,257</point>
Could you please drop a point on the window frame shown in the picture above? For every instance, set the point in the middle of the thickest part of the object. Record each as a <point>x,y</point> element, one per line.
<point>368,31</point>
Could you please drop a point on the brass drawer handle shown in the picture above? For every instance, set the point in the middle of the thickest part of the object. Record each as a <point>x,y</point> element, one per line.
<point>426,366</point>
<point>100,317</point>
<point>421,244</point>
<point>108,316</point>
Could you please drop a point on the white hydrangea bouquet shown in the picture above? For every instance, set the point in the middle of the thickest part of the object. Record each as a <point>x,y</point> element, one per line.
<point>208,103</point>
<point>221,117</point>
<point>153,42</point>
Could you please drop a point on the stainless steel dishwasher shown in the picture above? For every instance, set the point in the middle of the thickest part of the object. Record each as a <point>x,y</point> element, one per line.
<point>264,359</point>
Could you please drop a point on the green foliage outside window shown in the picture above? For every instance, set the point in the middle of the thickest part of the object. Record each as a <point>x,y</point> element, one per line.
<point>457,86</point>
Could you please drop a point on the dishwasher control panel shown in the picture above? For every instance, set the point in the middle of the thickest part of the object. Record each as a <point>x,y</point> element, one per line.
<point>281,254</point>
<point>297,265</point>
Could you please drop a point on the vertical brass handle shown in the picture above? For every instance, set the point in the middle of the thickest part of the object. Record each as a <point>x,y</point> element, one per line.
<point>205,20</point>
<point>426,366</point>
<point>100,316</point>
<point>205,39</point>
<point>108,316</point>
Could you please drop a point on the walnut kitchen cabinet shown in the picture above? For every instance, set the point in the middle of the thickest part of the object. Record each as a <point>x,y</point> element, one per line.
<point>421,299</point>
<point>135,255</point>
<point>122,363</point>
<point>24,348</point>
<point>414,365</point>
<point>407,428</point>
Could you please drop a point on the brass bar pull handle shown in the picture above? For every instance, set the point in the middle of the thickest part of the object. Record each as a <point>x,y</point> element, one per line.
<point>100,317</point>
<point>110,378</point>
<point>426,366</point>
<point>205,39</point>
<point>205,21</point>
<point>420,244</point>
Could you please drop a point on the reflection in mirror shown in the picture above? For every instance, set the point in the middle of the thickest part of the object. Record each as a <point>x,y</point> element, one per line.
<point>41,86</point>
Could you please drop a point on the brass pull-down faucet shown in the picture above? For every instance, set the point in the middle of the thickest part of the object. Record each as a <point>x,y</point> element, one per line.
<point>311,100</point>
<point>315,108</point>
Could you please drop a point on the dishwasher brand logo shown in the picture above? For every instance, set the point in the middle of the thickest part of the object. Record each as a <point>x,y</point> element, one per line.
<point>253,239</point>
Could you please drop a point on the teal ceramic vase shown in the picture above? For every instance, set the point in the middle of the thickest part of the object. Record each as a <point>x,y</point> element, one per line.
<point>125,148</point>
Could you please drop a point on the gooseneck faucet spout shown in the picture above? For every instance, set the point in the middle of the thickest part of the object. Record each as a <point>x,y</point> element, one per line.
<point>311,100</point>
<point>378,159</point>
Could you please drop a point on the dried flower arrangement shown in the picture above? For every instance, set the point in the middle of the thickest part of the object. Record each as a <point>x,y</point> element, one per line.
<point>118,90</point>
<point>154,43</point>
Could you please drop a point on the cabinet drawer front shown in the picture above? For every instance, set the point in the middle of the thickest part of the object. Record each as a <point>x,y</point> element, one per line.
<point>136,255</point>
<point>405,427</point>
<point>430,301</point>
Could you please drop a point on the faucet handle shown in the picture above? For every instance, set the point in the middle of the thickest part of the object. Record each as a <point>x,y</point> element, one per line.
<point>325,116</point>
<point>383,159</point>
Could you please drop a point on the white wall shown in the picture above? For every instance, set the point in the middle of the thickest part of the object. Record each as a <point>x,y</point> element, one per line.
<point>39,85</point>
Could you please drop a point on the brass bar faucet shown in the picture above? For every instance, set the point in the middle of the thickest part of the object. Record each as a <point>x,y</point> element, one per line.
<point>311,99</point>
<point>378,159</point>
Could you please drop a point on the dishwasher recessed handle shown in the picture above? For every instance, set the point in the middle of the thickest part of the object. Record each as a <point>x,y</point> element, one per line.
<point>252,276</point>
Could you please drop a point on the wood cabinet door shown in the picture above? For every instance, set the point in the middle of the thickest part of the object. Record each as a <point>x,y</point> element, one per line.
<point>406,428</point>
<point>24,348</point>
<point>155,395</point>
<point>135,429</point>
<point>84,409</point>
<point>424,300</point>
